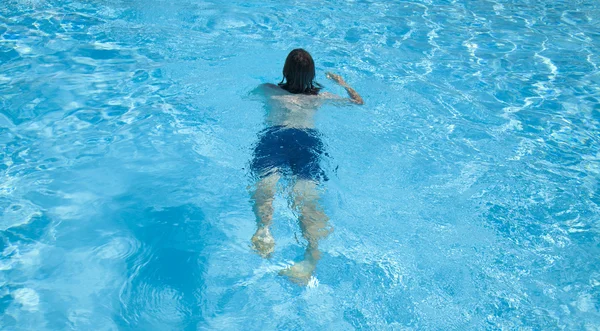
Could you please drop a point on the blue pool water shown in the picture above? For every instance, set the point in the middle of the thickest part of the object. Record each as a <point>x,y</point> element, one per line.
<point>464,195</point>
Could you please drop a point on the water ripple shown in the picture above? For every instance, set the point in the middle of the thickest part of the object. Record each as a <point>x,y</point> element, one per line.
<point>464,197</point>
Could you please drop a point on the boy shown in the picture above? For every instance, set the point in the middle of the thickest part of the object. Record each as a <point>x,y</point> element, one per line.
<point>290,146</point>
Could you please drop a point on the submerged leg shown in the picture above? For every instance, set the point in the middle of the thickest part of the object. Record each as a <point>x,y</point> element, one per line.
<point>263,196</point>
<point>313,223</point>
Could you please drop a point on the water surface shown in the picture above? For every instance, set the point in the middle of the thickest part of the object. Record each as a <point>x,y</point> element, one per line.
<point>464,195</point>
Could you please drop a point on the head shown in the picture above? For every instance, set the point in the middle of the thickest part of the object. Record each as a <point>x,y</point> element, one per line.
<point>299,73</point>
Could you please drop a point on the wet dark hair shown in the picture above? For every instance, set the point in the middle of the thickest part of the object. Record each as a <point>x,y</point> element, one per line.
<point>299,73</point>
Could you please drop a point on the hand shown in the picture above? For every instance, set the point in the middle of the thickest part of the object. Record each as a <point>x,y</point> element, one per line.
<point>351,92</point>
<point>336,78</point>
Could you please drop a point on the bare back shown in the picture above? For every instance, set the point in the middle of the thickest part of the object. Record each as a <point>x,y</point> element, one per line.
<point>291,110</point>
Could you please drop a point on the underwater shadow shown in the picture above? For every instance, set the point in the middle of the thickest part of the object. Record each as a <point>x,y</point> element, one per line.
<point>166,279</point>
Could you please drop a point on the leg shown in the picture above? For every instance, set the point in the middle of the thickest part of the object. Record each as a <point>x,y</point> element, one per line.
<point>313,223</point>
<point>263,196</point>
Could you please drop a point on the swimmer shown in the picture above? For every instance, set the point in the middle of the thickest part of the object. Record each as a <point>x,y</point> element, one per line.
<point>290,146</point>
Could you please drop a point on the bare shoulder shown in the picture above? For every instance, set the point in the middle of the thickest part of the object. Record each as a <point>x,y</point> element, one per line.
<point>267,90</point>
<point>271,89</point>
<point>271,86</point>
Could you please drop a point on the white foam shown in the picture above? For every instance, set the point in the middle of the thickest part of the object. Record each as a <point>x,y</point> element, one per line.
<point>525,148</point>
<point>589,59</point>
<point>27,297</point>
<point>512,125</point>
<point>472,48</point>
<point>22,49</point>
<point>80,317</point>
<point>118,248</point>
<point>313,282</point>
<point>106,45</point>
<point>30,258</point>
<point>585,303</point>
<point>408,34</point>
<point>431,36</point>
<point>14,217</point>
<point>261,271</point>
<point>550,65</point>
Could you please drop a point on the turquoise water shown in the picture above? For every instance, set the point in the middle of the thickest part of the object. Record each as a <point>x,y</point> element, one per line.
<point>464,195</point>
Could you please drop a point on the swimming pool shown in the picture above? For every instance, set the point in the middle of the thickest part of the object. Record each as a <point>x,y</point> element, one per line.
<point>464,194</point>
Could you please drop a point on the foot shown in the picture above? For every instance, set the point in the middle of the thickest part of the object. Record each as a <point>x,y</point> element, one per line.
<point>263,242</point>
<point>300,272</point>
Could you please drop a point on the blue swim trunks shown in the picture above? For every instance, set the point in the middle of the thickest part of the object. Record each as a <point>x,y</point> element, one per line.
<point>289,150</point>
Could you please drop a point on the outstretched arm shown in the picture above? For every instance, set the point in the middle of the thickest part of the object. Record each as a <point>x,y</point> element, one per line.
<point>354,96</point>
